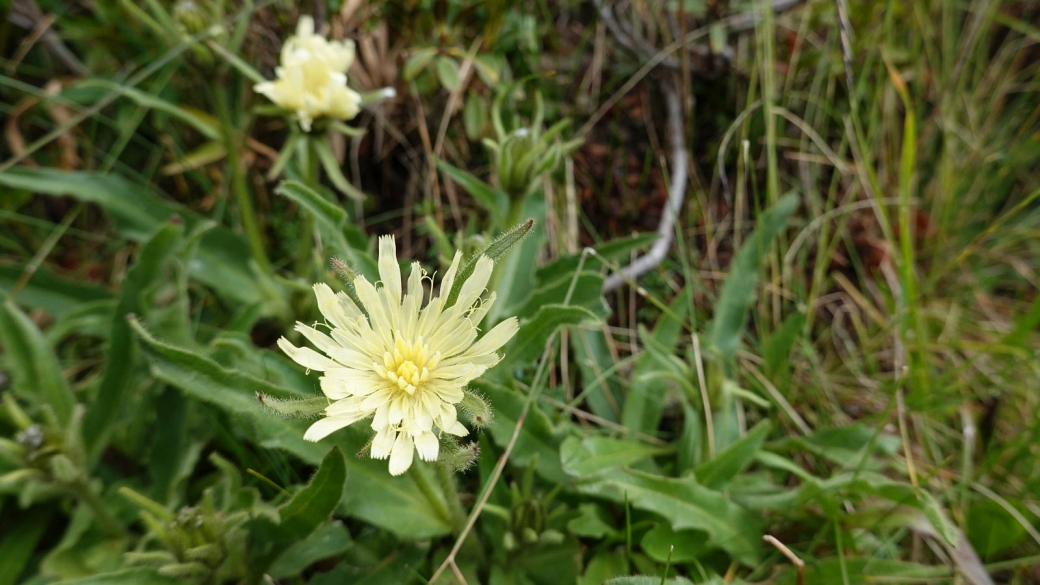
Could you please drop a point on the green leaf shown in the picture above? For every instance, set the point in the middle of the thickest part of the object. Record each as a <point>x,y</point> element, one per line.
<point>600,385</point>
<point>642,410</point>
<point>717,473</point>
<point>538,440</point>
<point>416,63</point>
<point>591,522</point>
<point>24,529</point>
<point>491,199</point>
<point>586,291</point>
<point>313,504</point>
<point>738,292</point>
<point>50,292</point>
<point>474,116</point>
<point>328,540</point>
<point>321,208</point>
<point>448,73</point>
<point>866,571</point>
<point>583,457</point>
<point>231,390</point>
<point>529,343</point>
<point>223,258</point>
<point>614,251</point>
<point>333,170</point>
<point>115,382</point>
<point>680,546</point>
<point>645,580</point>
<point>35,370</point>
<point>147,100</point>
<point>686,504</point>
<point>126,577</point>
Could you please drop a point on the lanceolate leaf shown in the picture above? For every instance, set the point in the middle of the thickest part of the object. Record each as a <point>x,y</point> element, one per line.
<point>686,504</point>
<point>223,257</point>
<point>314,504</point>
<point>36,372</point>
<point>527,346</point>
<point>738,292</point>
<point>205,380</point>
<point>116,380</point>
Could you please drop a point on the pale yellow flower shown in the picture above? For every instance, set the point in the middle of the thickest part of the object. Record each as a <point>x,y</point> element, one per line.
<point>311,80</point>
<point>403,364</point>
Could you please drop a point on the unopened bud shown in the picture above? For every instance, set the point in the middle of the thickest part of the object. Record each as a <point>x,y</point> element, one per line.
<point>294,407</point>
<point>480,413</point>
<point>458,457</point>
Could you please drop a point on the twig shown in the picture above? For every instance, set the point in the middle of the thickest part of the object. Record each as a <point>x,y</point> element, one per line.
<point>676,194</point>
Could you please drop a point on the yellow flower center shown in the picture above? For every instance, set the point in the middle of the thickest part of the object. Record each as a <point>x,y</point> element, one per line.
<point>409,365</point>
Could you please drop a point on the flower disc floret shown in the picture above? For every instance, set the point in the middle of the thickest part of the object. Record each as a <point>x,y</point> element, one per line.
<point>401,363</point>
<point>311,79</point>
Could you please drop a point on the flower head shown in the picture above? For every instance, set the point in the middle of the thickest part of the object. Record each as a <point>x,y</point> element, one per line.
<point>398,362</point>
<point>311,80</point>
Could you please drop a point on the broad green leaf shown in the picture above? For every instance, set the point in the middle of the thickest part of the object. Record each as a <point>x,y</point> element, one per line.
<point>23,531</point>
<point>394,503</point>
<point>491,199</point>
<point>592,522</point>
<point>600,384</point>
<point>686,504</point>
<point>585,291</point>
<point>223,258</point>
<point>866,571</point>
<point>645,401</point>
<point>448,73</point>
<point>328,540</point>
<point>583,457</point>
<point>416,63</point>
<point>474,116</point>
<point>36,373</point>
<point>115,382</point>
<point>313,504</point>
<point>717,473</point>
<point>681,546</point>
<point>529,343</point>
<point>738,292</point>
<point>604,566</point>
<point>233,391</point>
<point>991,529</point>
<point>538,439</point>
<point>51,293</point>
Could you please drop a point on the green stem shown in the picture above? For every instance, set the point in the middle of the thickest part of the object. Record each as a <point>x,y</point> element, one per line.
<point>309,166</point>
<point>106,521</point>
<point>458,514</point>
<point>428,490</point>
<point>232,139</point>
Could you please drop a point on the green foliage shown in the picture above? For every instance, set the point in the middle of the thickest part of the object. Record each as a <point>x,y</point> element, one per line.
<point>850,367</point>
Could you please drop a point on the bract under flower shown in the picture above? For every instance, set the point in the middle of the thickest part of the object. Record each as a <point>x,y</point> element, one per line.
<point>398,362</point>
<point>311,80</point>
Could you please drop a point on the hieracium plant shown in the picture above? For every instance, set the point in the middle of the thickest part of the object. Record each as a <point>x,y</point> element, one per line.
<point>310,86</point>
<point>387,357</point>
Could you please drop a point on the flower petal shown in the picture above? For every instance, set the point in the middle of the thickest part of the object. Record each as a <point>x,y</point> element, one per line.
<point>306,356</point>
<point>428,446</point>
<point>389,273</point>
<point>328,425</point>
<point>401,455</point>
